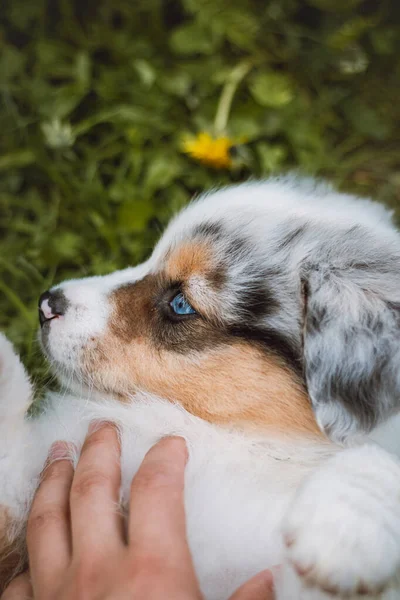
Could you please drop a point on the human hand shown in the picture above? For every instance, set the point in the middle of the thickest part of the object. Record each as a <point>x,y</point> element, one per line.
<point>76,541</point>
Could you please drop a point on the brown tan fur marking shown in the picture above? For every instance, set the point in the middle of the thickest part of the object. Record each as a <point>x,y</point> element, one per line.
<point>194,361</point>
<point>190,258</point>
<point>140,313</point>
<point>232,384</point>
<point>134,308</point>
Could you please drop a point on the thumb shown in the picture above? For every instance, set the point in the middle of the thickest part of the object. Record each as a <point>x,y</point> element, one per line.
<point>259,587</point>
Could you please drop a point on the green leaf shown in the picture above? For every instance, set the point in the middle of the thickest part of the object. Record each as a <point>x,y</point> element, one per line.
<point>271,156</point>
<point>236,25</point>
<point>11,62</point>
<point>66,245</point>
<point>134,214</point>
<point>83,69</point>
<point>271,89</point>
<point>162,170</point>
<point>192,39</point>
<point>127,79</point>
<point>20,158</point>
<point>350,32</point>
<point>145,71</point>
<point>177,83</point>
<point>367,121</point>
<point>384,40</point>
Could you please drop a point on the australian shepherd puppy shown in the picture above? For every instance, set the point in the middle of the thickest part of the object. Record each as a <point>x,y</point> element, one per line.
<point>264,329</point>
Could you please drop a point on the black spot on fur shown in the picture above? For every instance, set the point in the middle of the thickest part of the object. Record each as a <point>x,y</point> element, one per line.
<point>257,302</point>
<point>393,305</point>
<point>357,394</point>
<point>353,230</point>
<point>254,303</point>
<point>294,235</point>
<point>315,320</point>
<point>210,229</point>
<point>374,266</point>
<point>237,247</point>
<point>271,341</point>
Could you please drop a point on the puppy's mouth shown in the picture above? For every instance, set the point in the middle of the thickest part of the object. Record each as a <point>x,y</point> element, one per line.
<point>68,372</point>
<point>77,381</point>
<point>75,377</point>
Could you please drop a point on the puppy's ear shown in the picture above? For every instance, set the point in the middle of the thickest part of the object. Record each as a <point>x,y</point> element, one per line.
<point>352,346</point>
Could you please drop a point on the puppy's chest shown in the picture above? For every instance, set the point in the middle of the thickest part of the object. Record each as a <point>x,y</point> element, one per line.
<point>235,503</point>
<point>236,490</point>
<point>233,514</point>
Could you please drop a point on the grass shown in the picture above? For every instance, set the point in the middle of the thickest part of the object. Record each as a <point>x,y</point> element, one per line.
<point>96,99</point>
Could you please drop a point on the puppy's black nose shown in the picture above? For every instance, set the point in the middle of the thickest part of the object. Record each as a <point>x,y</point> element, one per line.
<point>51,305</point>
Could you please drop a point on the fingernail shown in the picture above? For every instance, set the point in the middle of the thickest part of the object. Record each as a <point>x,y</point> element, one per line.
<point>171,448</point>
<point>268,579</point>
<point>59,450</point>
<point>276,571</point>
<point>176,442</point>
<point>95,425</point>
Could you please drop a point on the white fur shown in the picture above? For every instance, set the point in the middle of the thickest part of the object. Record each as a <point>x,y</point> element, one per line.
<point>238,490</point>
<point>339,509</point>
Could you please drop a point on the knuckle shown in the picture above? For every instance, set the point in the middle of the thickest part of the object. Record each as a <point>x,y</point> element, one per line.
<point>146,586</point>
<point>148,566</point>
<point>58,469</point>
<point>84,583</point>
<point>153,576</point>
<point>94,441</point>
<point>89,571</point>
<point>40,519</point>
<point>89,483</point>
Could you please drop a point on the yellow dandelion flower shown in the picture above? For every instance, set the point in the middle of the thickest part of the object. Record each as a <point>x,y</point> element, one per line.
<point>209,150</point>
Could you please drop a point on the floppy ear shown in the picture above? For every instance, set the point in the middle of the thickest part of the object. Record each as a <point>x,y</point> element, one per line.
<point>352,345</point>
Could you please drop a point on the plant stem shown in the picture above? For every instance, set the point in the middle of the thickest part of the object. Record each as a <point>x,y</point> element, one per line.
<point>228,92</point>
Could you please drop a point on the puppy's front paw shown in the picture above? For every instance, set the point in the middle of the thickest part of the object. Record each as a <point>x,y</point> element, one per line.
<point>342,532</point>
<point>15,387</point>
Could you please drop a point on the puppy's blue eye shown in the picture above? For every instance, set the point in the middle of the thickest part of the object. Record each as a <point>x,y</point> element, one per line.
<point>181,306</point>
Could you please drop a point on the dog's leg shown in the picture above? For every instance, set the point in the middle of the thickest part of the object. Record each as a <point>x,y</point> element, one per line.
<point>15,398</point>
<point>343,529</point>
<point>15,389</point>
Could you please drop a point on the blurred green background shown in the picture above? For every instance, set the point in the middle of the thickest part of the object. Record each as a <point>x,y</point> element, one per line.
<point>97,97</point>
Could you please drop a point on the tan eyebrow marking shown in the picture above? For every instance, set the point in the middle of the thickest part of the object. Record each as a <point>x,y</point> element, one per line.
<point>190,258</point>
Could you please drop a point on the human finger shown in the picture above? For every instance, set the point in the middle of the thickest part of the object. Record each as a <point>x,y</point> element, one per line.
<point>48,534</point>
<point>259,587</point>
<point>157,528</point>
<point>96,521</point>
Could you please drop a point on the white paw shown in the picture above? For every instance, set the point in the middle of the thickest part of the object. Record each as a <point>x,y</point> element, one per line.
<point>15,387</point>
<point>342,531</point>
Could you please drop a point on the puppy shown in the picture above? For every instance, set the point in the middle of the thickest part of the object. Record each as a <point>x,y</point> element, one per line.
<point>264,330</point>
